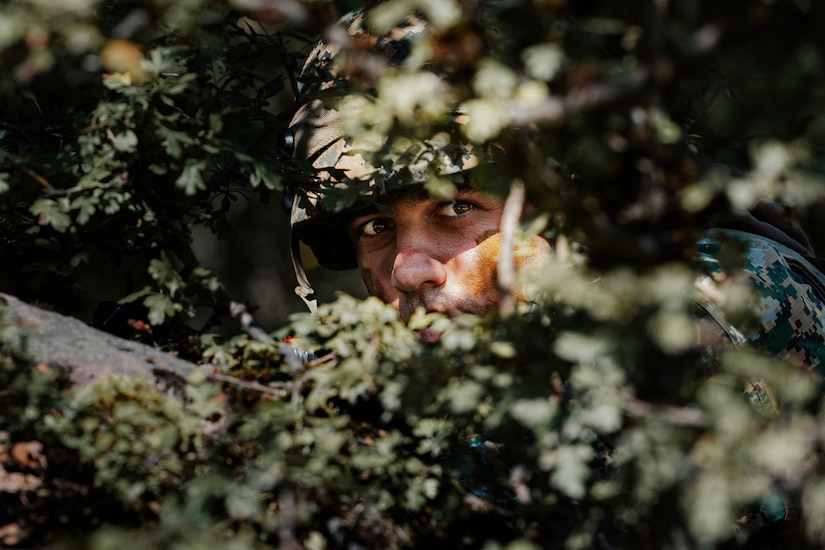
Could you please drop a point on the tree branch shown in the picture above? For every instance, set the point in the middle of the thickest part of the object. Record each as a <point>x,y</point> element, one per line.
<point>681,416</point>
<point>506,270</point>
<point>554,110</point>
<point>38,178</point>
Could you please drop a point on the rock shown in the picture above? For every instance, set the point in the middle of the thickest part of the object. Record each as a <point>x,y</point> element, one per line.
<point>84,353</point>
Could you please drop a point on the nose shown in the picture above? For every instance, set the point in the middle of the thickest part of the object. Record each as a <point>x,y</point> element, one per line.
<point>416,268</point>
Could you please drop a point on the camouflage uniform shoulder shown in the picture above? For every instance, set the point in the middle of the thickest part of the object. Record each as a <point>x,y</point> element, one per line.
<point>787,298</point>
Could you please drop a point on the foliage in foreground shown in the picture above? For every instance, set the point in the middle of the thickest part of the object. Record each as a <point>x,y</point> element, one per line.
<point>542,429</point>
<point>587,419</point>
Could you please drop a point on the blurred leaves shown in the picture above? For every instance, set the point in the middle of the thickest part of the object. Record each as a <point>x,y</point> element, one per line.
<point>591,417</point>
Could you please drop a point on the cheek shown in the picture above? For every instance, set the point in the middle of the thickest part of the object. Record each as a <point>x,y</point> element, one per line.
<point>377,276</point>
<point>367,266</point>
<point>377,282</point>
<point>482,272</point>
<point>481,278</point>
<point>533,252</point>
<point>369,281</point>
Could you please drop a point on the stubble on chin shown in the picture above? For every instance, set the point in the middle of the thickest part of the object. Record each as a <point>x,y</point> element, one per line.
<point>437,299</point>
<point>431,300</point>
<point>407,307</point>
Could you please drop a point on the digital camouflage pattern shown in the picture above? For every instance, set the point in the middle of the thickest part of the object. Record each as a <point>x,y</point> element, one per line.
<point>325,77</point>
<point>788,300</point>
<point>788,303</point>
<point>317,137</point>
<point>322,69</point>
<point>789,291</point>
<point>316,125</point>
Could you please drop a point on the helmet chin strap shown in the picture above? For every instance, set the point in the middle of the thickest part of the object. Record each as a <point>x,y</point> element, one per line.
<point>304,289</point>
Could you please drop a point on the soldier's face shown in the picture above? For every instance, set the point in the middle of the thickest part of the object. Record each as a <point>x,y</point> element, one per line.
<point>438,255</point>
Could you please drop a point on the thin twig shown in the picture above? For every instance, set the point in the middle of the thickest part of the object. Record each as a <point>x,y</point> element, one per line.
<point>246,385</point>
<point>38,178</point>
<point>239,312</point>
<point>276,389</point>
<point>236,310</point>
<point>80,188</point>
<point>554,110</point>
<point>286,506</point>
<point>681,416</point>
<point>506,269</point>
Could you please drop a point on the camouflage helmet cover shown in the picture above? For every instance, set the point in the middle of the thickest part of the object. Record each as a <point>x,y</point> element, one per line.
<point>316,128</point>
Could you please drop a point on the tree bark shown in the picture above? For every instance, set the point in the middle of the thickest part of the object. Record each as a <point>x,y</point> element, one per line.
<point>84,353</point>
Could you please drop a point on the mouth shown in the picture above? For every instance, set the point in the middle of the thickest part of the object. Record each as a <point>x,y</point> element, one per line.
<point>429,335</point>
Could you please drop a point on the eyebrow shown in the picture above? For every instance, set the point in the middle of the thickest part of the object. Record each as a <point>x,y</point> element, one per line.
<point>420,195</point>
<point>415,196</point>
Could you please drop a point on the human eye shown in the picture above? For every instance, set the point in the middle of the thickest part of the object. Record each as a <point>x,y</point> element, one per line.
<point>456,208</point>
<point>373,227</point>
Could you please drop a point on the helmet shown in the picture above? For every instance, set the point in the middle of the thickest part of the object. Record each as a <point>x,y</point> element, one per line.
<point>316,136</point>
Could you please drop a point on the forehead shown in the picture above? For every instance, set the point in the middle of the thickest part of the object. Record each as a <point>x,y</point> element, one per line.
<point>420,195</point>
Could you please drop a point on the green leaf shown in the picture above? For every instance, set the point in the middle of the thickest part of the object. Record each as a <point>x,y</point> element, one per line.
<point>85,206</point>
<point>174,141</point>
<point>571,469</point>
<point>125,142</point>
<point>582,348</point>
<point>534,413</point>
<point>50,213</point>
<point>160,307</point>
<point>494,80</point>
<point>135,295</point>
<point>165,274</point>
<point>485,119</point>
<point>543,61</point>
<point>464,396</point>
<point>191,179</point>
<point>215,123</point>
<point>262,173</point>
<point>242,503</point>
